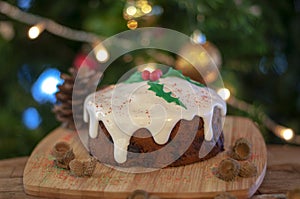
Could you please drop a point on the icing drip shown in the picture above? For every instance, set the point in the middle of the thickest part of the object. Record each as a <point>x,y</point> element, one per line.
<point>125,108</point>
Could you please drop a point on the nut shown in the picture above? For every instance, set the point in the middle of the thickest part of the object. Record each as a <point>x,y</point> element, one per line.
<point>77,168</point>
<point>228,169</point>
<point>63,154</point>
<point>89,166</point>
<point>241,150</point>
<point>248,169</point>
<point>139,194</point>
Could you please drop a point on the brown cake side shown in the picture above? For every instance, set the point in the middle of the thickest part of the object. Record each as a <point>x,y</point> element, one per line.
<point>181,149</point>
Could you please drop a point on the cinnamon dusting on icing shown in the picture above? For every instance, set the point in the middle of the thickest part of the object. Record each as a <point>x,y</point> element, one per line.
<point>125,108</point>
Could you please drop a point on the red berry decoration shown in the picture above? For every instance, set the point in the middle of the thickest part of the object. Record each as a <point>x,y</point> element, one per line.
<point>145,75</point>
<point>159,72</point>
<point>154,76</point>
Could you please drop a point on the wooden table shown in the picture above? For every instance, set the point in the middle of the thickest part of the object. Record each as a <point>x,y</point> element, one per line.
<point>283,174</point>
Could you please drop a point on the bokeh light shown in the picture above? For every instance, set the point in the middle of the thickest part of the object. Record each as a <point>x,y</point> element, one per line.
<point>198,37</point>
<point>132,24</point>
<point>35,31</point>
<point>157,10</point>
<point>224,93</point>
<point>45,87</point>
<point>7,30</point>
<point>149,67</point>
<point>101,54</point>
<point>31,118</point>
<point>49,85</point>
<point>146,8</point>
<point>287,134</point>
<point>24,4</point>
<point>131,10</point>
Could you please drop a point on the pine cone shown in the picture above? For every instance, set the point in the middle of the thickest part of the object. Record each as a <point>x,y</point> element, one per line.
<point>65,95</point>
<point>63,110</point>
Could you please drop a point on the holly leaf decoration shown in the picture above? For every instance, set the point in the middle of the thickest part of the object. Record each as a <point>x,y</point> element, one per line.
<point>159,90</point>
<point>176,73</point>
<point>135,77</point>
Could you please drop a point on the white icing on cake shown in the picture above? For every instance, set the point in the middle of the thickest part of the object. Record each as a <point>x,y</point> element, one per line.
<point>127,107</point>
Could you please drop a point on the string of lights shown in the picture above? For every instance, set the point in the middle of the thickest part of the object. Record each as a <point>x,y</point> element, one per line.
<point>40,24</point>
<point>283,132</point>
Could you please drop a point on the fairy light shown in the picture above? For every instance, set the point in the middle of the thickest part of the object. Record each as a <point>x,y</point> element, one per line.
<point>131,10</point>
<point>134,10</point>
<point>285,133</point>
<point>51,26</point>
<point>224,93</point>
<point>149,67</point>
<point>288,134</point>
<point>198,37</point>
<point>146,8</point>
<point>132,24</point>
<point>282,132</point>
<point>101,53</point>
<point>35,31</point>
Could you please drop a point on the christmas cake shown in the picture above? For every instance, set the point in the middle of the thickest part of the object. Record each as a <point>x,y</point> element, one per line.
<point>155,120</point>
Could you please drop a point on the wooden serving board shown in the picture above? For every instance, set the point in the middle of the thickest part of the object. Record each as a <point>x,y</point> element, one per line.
<point>42,178</point>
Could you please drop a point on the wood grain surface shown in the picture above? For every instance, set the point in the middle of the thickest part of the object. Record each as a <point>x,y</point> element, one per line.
<point>41,178</point>
<point>278,180</point>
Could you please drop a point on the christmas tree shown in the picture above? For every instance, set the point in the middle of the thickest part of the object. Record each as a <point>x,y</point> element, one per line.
<point>255,44</point>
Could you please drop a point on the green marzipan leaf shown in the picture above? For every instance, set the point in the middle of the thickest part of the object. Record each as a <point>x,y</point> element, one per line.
<point>175,73</point>
<point>135,77</point>
<point>159,90</point>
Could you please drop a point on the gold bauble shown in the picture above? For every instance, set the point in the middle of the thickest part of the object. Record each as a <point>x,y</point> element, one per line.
<point>201,62</point>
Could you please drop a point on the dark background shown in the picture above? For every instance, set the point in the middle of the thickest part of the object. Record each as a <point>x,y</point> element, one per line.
<point>258,39</point>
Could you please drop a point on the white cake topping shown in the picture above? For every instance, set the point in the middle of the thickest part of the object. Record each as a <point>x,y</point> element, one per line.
<point>127,107</point>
